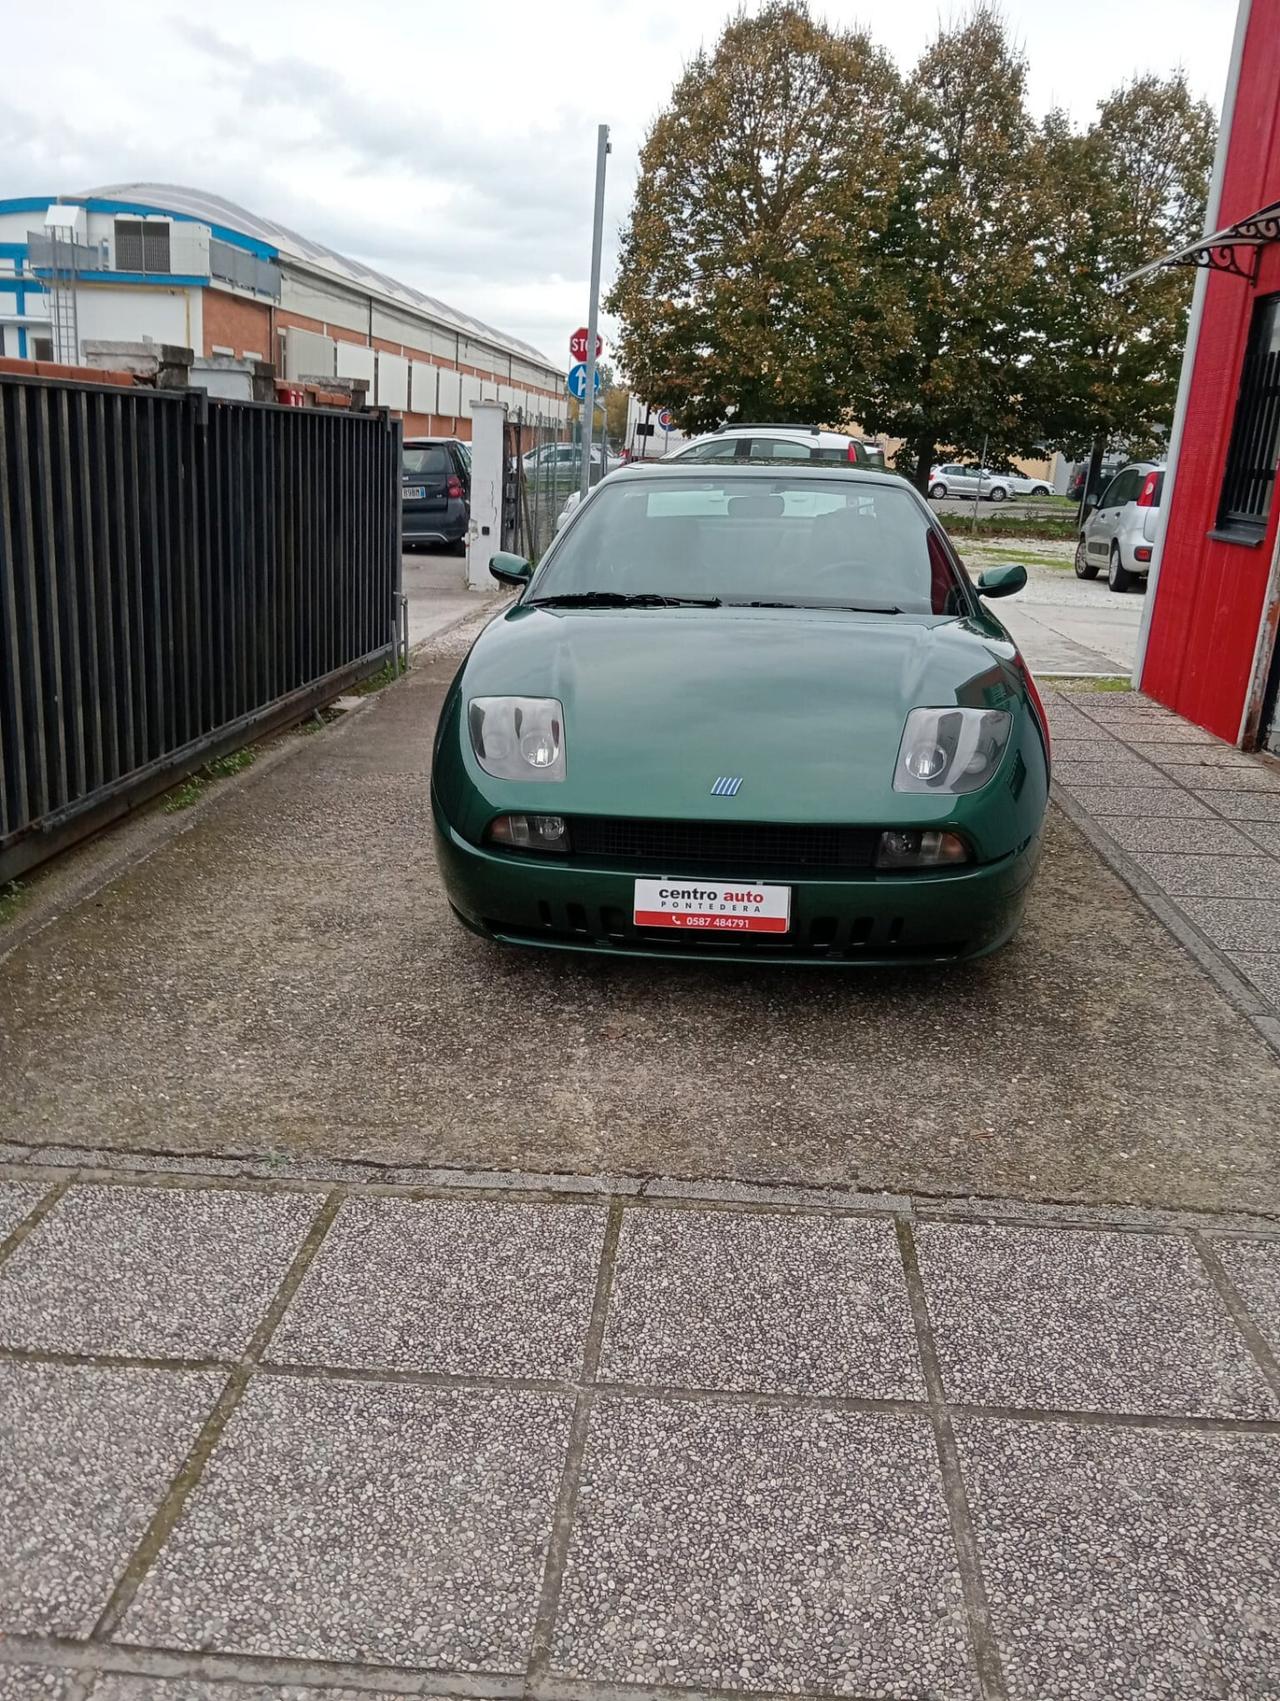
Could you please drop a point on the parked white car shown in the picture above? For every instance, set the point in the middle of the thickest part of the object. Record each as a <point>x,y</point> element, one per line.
<point>954,479</point>
<point>1120,533</point>
<point>748,441</point>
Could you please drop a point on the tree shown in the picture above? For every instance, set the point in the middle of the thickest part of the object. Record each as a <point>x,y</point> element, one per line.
<point>971,204</point>
<point>747,281</point>
<point>1133,187</point>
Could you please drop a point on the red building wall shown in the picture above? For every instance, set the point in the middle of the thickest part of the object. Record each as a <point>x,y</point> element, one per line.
<point>1209,599</point>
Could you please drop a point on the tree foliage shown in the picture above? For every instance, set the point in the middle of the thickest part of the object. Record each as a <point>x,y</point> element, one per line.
<point>815,238</point>
<point>746,281</point>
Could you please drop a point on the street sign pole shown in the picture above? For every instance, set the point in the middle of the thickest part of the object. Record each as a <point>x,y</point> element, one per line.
<point>593,310</point>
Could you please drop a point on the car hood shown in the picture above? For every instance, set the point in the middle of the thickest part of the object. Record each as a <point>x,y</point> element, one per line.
<point>805,707</point>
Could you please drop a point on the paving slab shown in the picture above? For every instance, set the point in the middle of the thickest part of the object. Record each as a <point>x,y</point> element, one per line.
<point>1263,969</point>
<point>352,1521</point>
<point>1114,771</point>
<point>1252,777</point>
<point>1209,837</point>
<point>1238,924</point>
<point>1265,834</point>
<point>1185,759</point>
<point>1128,1563</point>
<point>118,1687</point>
<point>17,1199</point>
<point>151,1272</point>
<point>1254,1267</point>
<point>1073,1319</point>
<point>1209,876</point>
<point>1151,734</point>
<point>1169,803</point>
<point>749,1548</point>
<point>87,1458</point>
<point>34,1683</point>
<point>448,1285</point>
<point>806,1305</point>
<point>1253,805</point>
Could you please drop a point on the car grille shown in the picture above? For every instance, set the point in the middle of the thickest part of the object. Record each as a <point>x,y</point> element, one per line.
<point>738,846</point>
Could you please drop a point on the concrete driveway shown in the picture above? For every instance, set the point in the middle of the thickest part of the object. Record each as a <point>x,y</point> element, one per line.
<point>285,977</point>
<point>1064,626</point>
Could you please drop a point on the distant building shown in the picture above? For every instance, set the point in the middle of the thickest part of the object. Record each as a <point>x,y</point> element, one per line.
<point>180,266</point>
<point>1209,643</point>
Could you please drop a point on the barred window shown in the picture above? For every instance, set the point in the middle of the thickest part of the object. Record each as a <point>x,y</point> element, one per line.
<point>1250,479</point>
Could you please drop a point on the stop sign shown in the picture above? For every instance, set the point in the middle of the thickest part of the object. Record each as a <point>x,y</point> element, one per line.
<point>579,343</point>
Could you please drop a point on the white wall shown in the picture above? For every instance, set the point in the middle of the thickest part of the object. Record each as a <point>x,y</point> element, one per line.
<point>307,354</point>
<point>355,362</point>
<point>393,380</point>
<point>111,313</point>
<point>423,387</point>
<point>450,401</point>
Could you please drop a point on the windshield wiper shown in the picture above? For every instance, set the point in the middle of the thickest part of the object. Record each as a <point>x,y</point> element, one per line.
<point>621,599</point>
<point>843,607</point>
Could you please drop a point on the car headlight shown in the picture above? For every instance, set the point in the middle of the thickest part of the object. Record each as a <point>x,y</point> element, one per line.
<point>518,738</point>
<point>950,751</point>
<point>909,847</point>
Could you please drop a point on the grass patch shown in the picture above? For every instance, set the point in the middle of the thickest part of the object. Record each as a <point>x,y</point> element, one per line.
<point>386,675</point>
<point>195,785</point>
<point>1028,557</point>
<point>11,896</point>
<point>1101,682</point>
<point>961,529</point>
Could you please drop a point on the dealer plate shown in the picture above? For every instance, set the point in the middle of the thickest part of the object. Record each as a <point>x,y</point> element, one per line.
<point>721,906</point>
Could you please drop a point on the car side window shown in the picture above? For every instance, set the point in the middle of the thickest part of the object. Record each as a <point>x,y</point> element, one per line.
<point>780,449</point>
<point>724,449</point>
<point>1126,488</point>
<point>1110,495</point>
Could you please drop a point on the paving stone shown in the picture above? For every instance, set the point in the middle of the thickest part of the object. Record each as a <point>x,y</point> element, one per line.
<point>1099,748</point>
<point>34,1683</point>
<point>1254,1267</point>
<point>806,1305</point>
<point>88,1455</point>
<point>1151,733</point>
<point>1243,805</point>
<point>1263,969</point>
<point>16,1199</point>
<point>448,1284</point>
<point>1167,803</point>
<point>1181,757</point>
<point>742,1547</point>
<point>1209,876</point>
<point>357,1521</point>
<point>1072,1319</point>
<point>780,1303</point>
<point>1114,772</point>
<point>1237,924</point>
<point>1128,1563</point>
<point>155,1272</point>
<point>1213,838</point>
<point>121,1688</point>
<point>1253,778</point>
<point>1265,834</point>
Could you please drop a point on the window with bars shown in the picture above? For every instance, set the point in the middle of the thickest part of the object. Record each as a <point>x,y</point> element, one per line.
<point>142,245</point>
<point>1249,483</point>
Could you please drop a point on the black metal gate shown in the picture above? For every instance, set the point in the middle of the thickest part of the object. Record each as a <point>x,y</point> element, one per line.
<point>176,573</point>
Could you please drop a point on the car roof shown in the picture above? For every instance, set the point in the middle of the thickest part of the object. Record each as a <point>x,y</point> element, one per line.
<point>810,433</point>
<point>427,442</point>
<point>640,471</point>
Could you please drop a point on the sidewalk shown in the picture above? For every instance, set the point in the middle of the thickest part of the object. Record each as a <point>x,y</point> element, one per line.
<point>1191,823</point>
<point>307,1442</point>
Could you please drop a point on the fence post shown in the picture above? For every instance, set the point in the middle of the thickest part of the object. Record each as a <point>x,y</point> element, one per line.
<point>487,474</point>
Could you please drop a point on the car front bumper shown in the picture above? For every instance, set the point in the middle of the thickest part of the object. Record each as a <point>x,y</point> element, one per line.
<point>869,921</point>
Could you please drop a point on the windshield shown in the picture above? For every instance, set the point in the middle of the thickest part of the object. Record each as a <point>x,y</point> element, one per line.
<point>781,540</point>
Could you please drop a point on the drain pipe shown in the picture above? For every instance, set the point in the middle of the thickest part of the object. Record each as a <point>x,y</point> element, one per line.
<point>1211,211</point>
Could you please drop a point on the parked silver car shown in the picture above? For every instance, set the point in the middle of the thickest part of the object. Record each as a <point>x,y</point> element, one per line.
<point>1120,532</point>
<point>953,479</point>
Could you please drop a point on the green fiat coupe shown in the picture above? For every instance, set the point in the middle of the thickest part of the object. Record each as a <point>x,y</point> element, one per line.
<point>745,711</point>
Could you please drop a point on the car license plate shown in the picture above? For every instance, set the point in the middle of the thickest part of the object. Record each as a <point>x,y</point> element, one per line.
<point>415,493</point>
<point>721,906</point>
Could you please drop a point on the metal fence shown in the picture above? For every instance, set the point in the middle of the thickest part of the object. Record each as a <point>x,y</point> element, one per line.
<point>544,466</point>
<point>176,574</point>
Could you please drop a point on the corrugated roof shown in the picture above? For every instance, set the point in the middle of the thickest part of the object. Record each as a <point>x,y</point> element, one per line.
<point>213,209</point>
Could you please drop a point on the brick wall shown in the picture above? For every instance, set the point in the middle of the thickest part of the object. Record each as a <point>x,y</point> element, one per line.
<point>230,321</point>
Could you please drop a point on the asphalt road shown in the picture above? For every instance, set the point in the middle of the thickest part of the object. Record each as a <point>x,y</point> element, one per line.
<point>285,977</point>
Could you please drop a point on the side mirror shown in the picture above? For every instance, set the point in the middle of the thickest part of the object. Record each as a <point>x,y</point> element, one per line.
<point>1002,581</point>
<point>510,569</point>
<point>1091,505</point>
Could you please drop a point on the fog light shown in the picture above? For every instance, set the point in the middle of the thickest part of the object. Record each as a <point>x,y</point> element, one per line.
<point>920,848</point>
<point>546,833</point>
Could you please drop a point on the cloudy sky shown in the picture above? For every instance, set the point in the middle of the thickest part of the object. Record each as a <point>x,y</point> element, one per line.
<point>453,145</point>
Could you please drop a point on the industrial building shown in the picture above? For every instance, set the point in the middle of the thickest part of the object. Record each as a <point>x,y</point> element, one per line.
<point>174,265</point>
